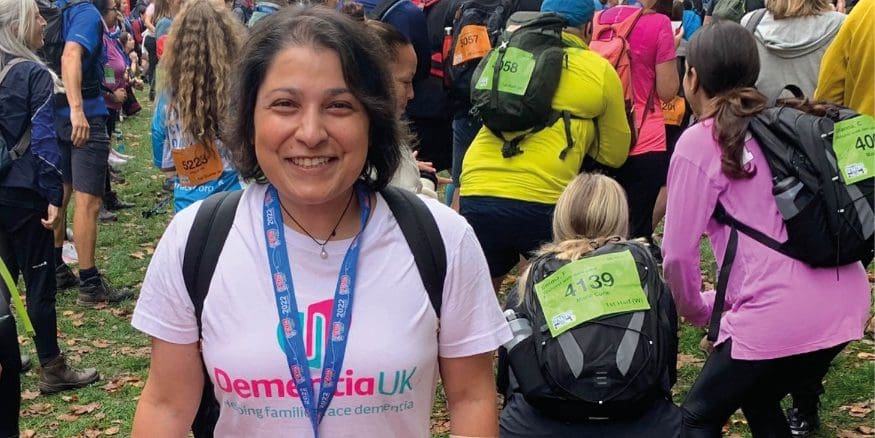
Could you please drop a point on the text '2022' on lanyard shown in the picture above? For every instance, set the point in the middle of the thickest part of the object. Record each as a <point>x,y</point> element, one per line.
<point>287,308</point>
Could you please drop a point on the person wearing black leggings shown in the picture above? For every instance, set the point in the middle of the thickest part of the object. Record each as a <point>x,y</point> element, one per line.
<point>783,324</point>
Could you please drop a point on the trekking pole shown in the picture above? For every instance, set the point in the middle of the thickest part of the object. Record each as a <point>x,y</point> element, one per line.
<point>16,299</point>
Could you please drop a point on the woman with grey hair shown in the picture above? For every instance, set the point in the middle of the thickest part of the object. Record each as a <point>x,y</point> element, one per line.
<point>30,187</point>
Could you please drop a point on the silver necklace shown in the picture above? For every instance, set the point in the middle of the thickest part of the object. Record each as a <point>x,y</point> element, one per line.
<point>322,253</point>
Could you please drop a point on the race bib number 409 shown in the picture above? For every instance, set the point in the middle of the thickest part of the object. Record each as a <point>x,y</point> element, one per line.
<point>854,145</point>
<point>589,288</point>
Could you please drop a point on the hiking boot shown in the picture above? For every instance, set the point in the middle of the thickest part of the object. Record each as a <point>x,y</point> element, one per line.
<point>99,290</point>
<point>106,215</point>
<point>64,277</point>
<point>56,376</point>
<point>168,185</point>
<point>26,363</point>
<point>112,202</point>
<point>802,425</point>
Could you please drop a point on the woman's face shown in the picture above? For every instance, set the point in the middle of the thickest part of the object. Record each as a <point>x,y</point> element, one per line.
<point>311,132</point>
<point>403,70</point>
<point>130,45</point>
<point>35,37</point>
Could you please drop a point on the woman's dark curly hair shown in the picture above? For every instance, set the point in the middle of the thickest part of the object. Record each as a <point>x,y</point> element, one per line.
<point>365,73</point>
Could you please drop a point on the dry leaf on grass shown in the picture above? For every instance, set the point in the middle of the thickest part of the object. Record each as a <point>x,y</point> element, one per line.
<point>29,395</point>
<point>68,417</point>
<point>70,398</point>
<point>139,255</point>
<point>866,356</point>
<point>101,343</point>
<point>866,430</point>
<point>858,410</point>
<point>689,359</point>
<point>27,433</point>
<point>111,431</point>
<point>84,409</point>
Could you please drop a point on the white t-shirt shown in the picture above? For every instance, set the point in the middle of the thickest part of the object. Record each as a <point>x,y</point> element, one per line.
<point>389,375</point>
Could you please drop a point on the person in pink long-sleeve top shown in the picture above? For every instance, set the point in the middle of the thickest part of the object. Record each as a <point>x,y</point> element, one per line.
<point>784,321</point>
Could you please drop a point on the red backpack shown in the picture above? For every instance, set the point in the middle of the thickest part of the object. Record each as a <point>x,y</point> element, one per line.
<point>611,40</point>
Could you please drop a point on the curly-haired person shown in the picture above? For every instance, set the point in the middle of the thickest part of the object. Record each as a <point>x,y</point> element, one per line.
<point>194,82</point>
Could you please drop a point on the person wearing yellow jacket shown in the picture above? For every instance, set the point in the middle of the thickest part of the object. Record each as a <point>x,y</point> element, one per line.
<point>509,201</point>
<point>847,71</point>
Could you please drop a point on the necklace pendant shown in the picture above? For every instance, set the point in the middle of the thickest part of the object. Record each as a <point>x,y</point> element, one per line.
<point>323,254</point>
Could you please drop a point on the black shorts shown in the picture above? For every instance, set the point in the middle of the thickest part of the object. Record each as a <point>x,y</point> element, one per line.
<point>85,166</point>
<point>641,177</point>
<point>507,228</point>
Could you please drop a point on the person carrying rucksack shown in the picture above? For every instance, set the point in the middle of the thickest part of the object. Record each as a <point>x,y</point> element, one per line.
<point>612,367</point>
<point>642,46</point>
<point>543,116</point>
<point>789,296</point>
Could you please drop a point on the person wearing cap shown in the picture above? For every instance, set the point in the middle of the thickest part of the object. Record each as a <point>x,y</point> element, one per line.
<point>514,219</point>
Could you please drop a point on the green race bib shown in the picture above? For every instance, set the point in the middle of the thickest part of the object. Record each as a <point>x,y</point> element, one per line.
<point>854,145</point>
<point>516,72</point>
<point>588,288</point>
<point>109,76</point>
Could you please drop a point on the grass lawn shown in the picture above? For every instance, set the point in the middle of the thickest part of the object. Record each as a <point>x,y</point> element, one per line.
<point>103,338</point>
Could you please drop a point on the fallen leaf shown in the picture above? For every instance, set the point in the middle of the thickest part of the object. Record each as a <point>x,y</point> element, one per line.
<point>92,433</point>
<point>688,359</point>
<point>70,398</point>
<point>68,417</point>
<point>29,395</point>
<point>67,312</point>
<point>84,409</point>
<point>28,433</point>
<point>849,434</point>
<point>99,416</point>
<point>37,409</point>
<point>139,255</point>
<point>866,430</point>
<point>111,431</point>
<point>859,411</point>
<point>101,343</point>
<point>866,356</point>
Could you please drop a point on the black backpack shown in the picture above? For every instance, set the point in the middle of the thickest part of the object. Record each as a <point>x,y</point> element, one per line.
<point>611,367</point>
<point>828,222</point>
<point>54,34</point>
<point>513,86</point>
<point>476,23</point>
<point>210,230</point>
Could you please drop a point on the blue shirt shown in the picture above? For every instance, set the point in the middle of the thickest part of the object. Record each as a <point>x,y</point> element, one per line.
<point>692,23</point>
<point>83,25</point>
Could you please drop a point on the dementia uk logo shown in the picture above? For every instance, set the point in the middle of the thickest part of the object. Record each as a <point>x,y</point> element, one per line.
<point>316,332</point>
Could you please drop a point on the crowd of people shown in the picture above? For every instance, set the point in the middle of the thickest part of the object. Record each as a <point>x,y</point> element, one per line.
<point>306,140</point>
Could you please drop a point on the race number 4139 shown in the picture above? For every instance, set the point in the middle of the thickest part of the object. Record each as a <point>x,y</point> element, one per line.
<point>589,288</point>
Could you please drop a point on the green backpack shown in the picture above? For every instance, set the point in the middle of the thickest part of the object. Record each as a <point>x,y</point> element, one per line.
<point>730,10</point>
<point>513,86</point>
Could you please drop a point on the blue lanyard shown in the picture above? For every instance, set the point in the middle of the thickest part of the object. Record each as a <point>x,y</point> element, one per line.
<point>287,308</point>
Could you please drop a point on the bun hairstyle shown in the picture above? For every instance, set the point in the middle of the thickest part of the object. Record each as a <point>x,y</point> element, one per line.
<point>727,65</point>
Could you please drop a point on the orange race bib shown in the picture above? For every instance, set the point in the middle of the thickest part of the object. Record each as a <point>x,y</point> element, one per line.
<point>196,164</point>
<point>673,112</point>
<point>473,43</point>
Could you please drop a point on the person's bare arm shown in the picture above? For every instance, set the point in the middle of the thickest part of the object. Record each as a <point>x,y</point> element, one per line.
<point>470,389</point>
<point>173,391</point>
<point>71,74</point>
<point>667,80</point>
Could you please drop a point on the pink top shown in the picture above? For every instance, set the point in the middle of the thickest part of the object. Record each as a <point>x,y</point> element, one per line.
<point>775,306</point>
<point>652,43</point>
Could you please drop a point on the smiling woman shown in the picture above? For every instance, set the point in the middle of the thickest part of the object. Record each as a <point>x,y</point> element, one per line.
<point>330,323</point>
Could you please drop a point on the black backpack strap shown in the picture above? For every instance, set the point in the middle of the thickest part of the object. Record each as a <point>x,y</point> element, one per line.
<point>424,238</point>
<point>723,217</point>
<point>754,20</point>
<point>722,282</point>
<point>202,249</point>
<point>383,8</point>
<point>204,245</point>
